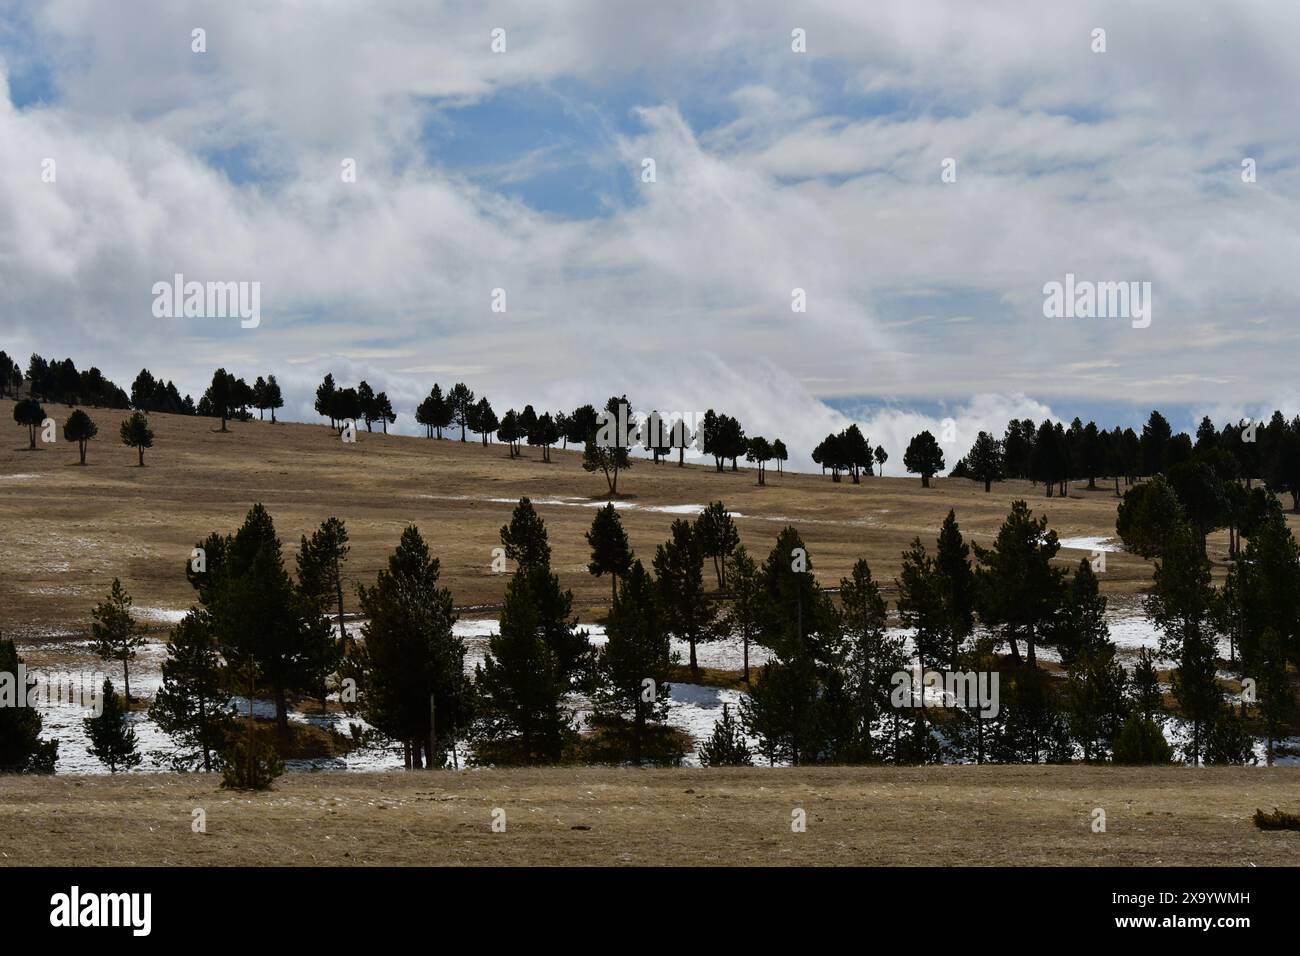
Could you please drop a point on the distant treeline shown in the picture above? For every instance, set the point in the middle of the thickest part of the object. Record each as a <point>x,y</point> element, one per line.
<point>1048,452</point>
<point>605,447</point>
<point>58,381</point>
<point>1055,455</point>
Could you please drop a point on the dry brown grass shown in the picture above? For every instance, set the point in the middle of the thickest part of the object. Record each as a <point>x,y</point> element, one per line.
<point>855,816</point>
<point>70,529</point>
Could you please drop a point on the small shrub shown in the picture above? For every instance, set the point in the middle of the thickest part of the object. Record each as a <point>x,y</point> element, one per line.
<point>250,767</point>
<point>1277,820</point>
<point>1141,742</point>
<point>727,747</point>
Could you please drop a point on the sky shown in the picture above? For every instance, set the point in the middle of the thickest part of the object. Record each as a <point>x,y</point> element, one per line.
<point>775,169</point>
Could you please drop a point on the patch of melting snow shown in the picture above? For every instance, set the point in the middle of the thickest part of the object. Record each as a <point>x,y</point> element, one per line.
<point>1131,633</point>
<point>1092,544</point>
<point>568,501</point>
<point>18,476</point>
<point>166,615</point>
<point>693,707</point>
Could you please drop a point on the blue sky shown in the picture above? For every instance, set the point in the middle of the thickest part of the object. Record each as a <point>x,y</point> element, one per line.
<point>776,171</point>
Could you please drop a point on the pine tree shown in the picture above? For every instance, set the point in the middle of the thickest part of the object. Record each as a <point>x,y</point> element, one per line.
<point>956,583</point>
<point>1141,742</point>
<point>583,425</point>
<point>985,461</point>
<point>1092,454</point>
<point>112,740</point>
<point>1017,587</point>
<point>608,451</point>
<point>320,568</point>
<point>434,413</point>
<point>384,408</point>
<point>545,434</point>
<point>873,655</point>
<point>780,711</point>
<point>509,432</point>
<point>1047,457</point>
<point>525,538</point>
<point>923,457</point>
<point>136,433</point>
<point>320,582</point>
<point>441,411</point>
<point>30,414</point>
<point>1276,695</point>
<point>260,397</point>
<point>461,402</point>
<point>1095,699</point>
<point>679,568</point>
<point>274,397</point>
<point>191,705</point>
<point>856,450</point>
<point>717,535</point>
<point>1080,626</point>
<point>727,747</point>
<point>609,461</point>
<point>610,552</point>
<point>483,422</point>
<point>21,747</point>
<point>797,619</point>
<point>633,666</point>
<point>1156,434</point>
<point>366,395</point>
<point>1196,689</point>
<point>523,680</point>
<point>413,686</point>
<point>1034,728</point>
<point>265,627</point>
<point>1228,744</point>
<point>249,763</point>
<point>115,632</point>
<point>789,708</point>
<point>534,660</point>
<point>1201,493</point>
<point>1146,698</point>
<point>781,454</point>
<point>1264,590</point>
<point>759,451</point>
<point>971,732</point>
<point>744,613</point>
<point>223,394</point>
<point>81,429</point>
<point>1181,603</point>
<point>325,393</point>
<point>921,607</point>
<point>345,406</point>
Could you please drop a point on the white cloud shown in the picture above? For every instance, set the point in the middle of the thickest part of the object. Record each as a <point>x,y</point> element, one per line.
<point>1116,166</point>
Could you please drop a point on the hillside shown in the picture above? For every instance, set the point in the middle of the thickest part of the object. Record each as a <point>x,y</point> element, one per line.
<point>70,529</point>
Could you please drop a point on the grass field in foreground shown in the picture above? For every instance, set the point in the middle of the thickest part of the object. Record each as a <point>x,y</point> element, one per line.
<point>942,815</point>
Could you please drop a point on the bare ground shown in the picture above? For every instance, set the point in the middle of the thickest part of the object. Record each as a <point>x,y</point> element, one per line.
<point>608,816</point>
